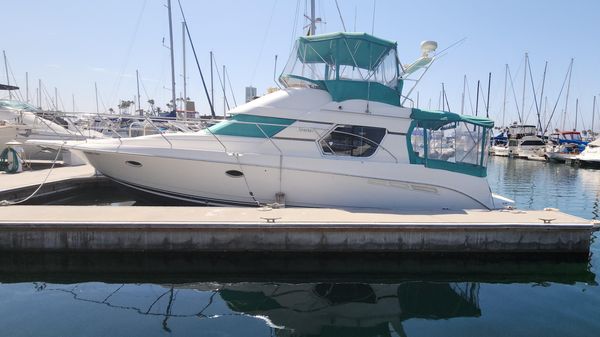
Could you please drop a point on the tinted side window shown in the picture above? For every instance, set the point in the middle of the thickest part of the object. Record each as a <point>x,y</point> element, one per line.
<point>353,140</point>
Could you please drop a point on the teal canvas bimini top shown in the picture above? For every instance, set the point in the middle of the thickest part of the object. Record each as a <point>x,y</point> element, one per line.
<point>352,49</point>
<point>436,119</point>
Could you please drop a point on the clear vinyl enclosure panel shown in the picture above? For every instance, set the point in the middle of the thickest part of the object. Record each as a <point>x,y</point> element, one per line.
<point>455,146</point>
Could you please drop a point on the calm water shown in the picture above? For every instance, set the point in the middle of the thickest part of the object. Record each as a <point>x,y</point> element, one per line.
<point>261,295</point>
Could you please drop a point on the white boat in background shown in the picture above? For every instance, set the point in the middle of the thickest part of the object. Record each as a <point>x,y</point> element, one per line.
<point>31,125</point>
<point>335,136</point>
<point>499,145</point>
<point>501,150</point>
<point>531,148</point>
<point>564,146</point>
<point>523,142</point>
<point>590,157</point>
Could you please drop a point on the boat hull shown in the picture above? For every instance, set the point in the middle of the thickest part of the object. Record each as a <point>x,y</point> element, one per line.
<point>213,182</point>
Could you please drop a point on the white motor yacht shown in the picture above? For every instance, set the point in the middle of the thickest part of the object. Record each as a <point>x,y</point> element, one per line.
<point>591,155</point>
<point>336,135</point>
<point>524,143</point>
<point>564,146</point>
<point>31,125</point>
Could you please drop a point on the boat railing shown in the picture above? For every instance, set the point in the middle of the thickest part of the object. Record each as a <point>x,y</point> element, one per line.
<point>108,124</point>
<point>317,140</point>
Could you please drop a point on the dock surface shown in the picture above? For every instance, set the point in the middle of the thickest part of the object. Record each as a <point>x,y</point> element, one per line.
<point>233,229</point>
<point>34,178</point>
<point>17,186</point>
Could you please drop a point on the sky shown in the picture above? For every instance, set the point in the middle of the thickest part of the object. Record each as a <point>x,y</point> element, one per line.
<point>71,45</point>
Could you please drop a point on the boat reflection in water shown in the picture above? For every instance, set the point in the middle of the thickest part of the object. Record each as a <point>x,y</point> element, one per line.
<point>350,309</point>
<point>268,295</point>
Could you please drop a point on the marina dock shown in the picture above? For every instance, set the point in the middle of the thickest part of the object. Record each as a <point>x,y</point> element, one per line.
<point>59,179</point>
<point>228,229</point>
<point>266,229</point>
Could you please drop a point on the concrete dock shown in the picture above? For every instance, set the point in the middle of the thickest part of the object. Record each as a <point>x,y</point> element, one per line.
<point>229,229</point>
<point>60,179</point>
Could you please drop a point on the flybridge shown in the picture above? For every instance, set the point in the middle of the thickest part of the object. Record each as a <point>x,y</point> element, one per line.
<point>347,65</point>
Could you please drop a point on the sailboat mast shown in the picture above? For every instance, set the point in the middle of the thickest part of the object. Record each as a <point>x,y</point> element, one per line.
<point>173,94</point>
<point>40,93</point>
<point>224,93</point>
<point>27,87</point>
<point>576,113</point>
<point>593,115</point>
<point>137,77</point>
<point>184,70</point>
<point>504,100</point>
<point>524,83</point>
<point>96,90</point>
<point>212,90</point>
<point>542,95</point>
<point>487,105</point>
<point>313,24</point>
<point>462,98</point>
<point>7,78</point>
<point>477,100</point>
<point>567,97</point>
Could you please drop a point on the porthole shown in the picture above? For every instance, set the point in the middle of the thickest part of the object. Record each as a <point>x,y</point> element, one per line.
<point>234,173</point>
<point>133,163</point>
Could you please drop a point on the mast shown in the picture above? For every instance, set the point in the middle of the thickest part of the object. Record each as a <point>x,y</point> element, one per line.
<point>576,112</point>
<point>55,99</point>
<point>313,24</point>
<point>96,89</point>
<point>462,98</point>
<point>173,94</point>
<point>443,97</point>
<point>6,69</point>
<point>504,101</point>
<point>212,89</point>
<point>487,105</point>
<point>73,96</point>
<point>542,95</point>
<point>40,93</point>
<point>524,83</point>
<point>184,70</point>
<point>477,100</point>
<point>224,94</point>
<point>593,115</point>
<point>137,78</point>
<point>27,87</point>
<point>567,97</point>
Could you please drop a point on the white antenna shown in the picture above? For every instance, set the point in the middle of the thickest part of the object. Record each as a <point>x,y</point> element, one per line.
<point>373,20</point>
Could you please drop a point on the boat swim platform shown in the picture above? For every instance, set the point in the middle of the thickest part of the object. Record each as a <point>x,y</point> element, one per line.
<point>246,229</point>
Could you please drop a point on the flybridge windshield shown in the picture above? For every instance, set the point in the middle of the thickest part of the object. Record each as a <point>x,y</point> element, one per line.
<point>16,105</point>
<point>348,65</point>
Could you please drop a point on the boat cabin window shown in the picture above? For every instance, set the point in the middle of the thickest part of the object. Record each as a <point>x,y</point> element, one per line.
<point>352,140</point>
<point>533,143</point>
<point>576,136</point>
<point>454,146</point>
